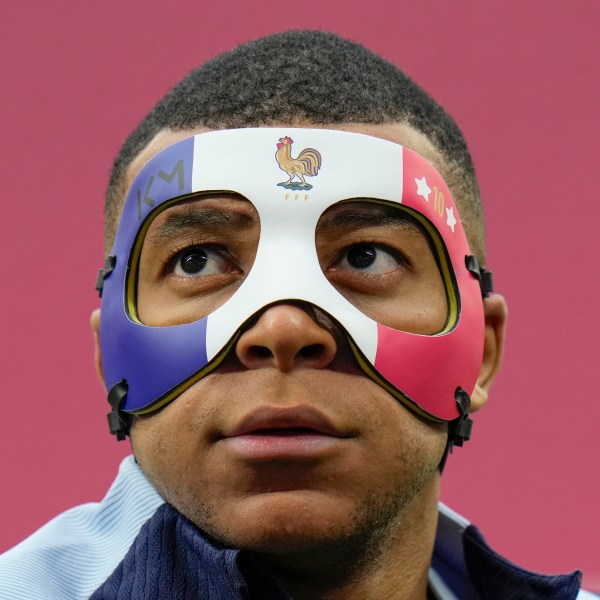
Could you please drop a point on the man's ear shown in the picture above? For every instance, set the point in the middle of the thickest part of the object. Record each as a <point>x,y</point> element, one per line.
<point>495,311</point>
<point>95,324</point>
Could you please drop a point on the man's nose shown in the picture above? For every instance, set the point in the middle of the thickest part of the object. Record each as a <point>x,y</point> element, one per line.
<point>286,337</point>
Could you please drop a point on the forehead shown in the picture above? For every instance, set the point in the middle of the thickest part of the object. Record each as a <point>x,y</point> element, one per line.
<point>400,133</point>
<point>345,165</point>
<point>222,211</point>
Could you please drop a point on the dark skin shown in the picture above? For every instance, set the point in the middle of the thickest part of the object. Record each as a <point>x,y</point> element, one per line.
<point>351,510</point>
<point>197,254</point>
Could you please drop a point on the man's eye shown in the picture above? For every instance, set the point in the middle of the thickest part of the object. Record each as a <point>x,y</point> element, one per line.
<point>368,258</point>
<point>196,262</point>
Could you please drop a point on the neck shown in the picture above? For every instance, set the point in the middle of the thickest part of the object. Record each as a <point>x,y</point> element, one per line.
<point>391,563</point>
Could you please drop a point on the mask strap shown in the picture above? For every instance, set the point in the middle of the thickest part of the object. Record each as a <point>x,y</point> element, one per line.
<point>481,274</point>
<point>459,430</point>
<point>109,266</point>
<point>119,421</point>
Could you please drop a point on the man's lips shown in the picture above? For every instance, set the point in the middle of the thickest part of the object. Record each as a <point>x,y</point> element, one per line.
<point>270,433</point>
<point>271,418</point>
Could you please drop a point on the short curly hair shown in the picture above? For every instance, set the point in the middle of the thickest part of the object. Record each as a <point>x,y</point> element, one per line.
<point>304,77</point>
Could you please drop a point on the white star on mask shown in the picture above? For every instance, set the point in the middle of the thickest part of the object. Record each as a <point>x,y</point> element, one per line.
<point>451,222</point>
<point>422,188</point>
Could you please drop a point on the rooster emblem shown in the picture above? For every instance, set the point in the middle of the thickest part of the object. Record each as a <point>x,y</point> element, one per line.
<point>307,164</point>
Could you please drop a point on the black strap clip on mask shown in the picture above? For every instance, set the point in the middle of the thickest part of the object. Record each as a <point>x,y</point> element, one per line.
<point>481,274</point>
<point>119,421</point>
<point>459,430</point>
<point>109,266</point>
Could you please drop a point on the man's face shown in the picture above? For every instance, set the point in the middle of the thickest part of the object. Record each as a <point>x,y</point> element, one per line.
<point>288,445</point>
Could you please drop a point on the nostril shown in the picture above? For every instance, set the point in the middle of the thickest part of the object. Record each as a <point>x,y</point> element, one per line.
<point>260,352</point>
<point>311,351</point>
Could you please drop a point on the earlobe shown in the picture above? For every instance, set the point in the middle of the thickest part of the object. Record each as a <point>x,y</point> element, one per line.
<point>495,311</point>
<point>95,325</point>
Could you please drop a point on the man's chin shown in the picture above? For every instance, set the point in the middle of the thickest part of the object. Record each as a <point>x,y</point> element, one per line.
<point>277,520</point>
<point>296,523</point>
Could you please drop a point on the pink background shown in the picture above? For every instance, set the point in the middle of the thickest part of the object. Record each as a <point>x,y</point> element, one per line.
<point>522,80</point>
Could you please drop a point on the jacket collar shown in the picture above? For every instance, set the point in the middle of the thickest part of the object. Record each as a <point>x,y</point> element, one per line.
<point>466,567</point>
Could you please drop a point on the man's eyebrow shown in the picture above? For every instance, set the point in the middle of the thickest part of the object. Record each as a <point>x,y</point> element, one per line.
<point>357,217</point>
<point>193,218</point>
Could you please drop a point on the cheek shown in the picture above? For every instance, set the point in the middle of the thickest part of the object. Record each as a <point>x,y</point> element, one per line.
<point>427,309</point>
<point>169,449</point>
<point>422,309</point>
<point>162,308</point>
<point>401,448</point>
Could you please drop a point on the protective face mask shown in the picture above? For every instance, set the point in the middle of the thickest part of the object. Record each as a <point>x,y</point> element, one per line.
<point>359,228</point>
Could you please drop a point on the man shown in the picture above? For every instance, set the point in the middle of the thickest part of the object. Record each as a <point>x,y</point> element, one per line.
<point>293,334</point>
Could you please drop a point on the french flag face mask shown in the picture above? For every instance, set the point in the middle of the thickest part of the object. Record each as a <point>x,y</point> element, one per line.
<point>220,226</point>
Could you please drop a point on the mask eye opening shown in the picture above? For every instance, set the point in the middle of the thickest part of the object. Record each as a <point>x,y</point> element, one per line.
<point>133,263</point>
<point>438,250</point>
